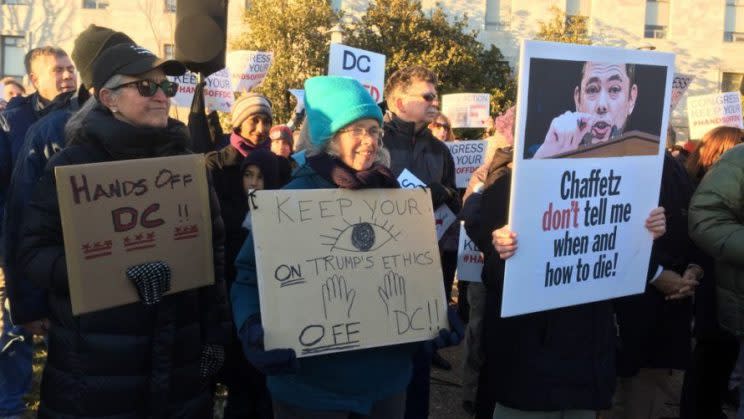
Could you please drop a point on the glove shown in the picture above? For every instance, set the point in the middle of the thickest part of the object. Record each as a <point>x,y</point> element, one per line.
<point>152,280</point>
<point>450,337</point>
<point>439,194</point>
<point>213,356</point>
<point>272,362</point>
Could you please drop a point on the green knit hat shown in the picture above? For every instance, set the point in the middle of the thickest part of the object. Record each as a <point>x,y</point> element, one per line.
<point>333,102</point>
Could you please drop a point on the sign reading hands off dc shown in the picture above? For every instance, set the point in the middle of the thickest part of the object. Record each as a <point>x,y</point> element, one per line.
<point>365,66</point>
<point>341,270</point>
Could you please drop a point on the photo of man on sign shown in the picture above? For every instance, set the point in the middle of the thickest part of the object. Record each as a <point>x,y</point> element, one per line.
<point>598,124</point>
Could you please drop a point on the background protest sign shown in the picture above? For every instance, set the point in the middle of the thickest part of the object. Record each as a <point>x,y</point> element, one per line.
<point>443,216</point>
<point>218,92</point>
<point>248,68</point>
<point>467,110</point>
<point>709,111</point>
<point>365,66</point>
<point>124,213</point>
<point>468,156</point>
<point>340,270</point>
<point>581,220</point>
<point>469,258</point>
<point>679,87</point>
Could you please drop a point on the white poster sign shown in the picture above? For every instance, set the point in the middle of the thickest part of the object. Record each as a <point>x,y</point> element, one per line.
<point>248,68</point>
<point>469,258</point>
<point>186,88</point>
<point>679,87</point>
<point>341,270</point>
<point>468,156</point>
<point>709,111</point>
<point>467,110</point>
<point>365,66</point>
<point>443,219</point>
<point>575,199</point>
<point>408,180</point>
<point>218,93</point>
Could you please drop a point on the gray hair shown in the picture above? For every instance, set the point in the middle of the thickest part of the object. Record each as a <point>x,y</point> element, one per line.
<point>330,147</point>
<point>74,127</point>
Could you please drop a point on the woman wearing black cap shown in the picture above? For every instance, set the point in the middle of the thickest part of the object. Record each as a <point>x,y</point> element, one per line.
<point>149,359</point>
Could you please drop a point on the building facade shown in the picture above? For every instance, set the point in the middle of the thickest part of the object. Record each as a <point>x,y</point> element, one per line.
<point>706,35</point>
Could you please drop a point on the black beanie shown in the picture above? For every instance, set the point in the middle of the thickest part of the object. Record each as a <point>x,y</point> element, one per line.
<point>89,44</point>
<point>267,162</point>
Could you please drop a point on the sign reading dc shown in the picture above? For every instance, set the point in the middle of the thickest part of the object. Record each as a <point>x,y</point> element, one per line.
<point>365,66</point>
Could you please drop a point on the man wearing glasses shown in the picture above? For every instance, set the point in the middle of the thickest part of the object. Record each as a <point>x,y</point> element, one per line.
<point>412,104</point>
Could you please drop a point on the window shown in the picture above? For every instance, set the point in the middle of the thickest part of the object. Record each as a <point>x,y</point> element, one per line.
<point>170,6</point>
<point>733,23</point>
<point>95,4</point>
<point>732,82</point>
<point>169,51</point>
<point>498,13</point>
<point>14,48</point>
<point>657,19</point>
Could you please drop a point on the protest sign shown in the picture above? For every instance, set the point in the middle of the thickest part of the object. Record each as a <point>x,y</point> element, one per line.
<point>367,67</point>
<point>469,258</point>
<point>709,111</point>
<point>579,212</point>
<point>341,270</point>
<point>468,156</point>
<point>119,214</point>
<point>408,180</point>
<point>248,68</point>
<point>443,219</point>
<point>218,94</point>
<point>679,86</point>
<point>186,88</point>
<point>467,110</point>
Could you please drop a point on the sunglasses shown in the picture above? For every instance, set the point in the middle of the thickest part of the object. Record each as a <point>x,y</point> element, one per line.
<point>438,125</point>
<point>148,88</point>
<point>429,97</point>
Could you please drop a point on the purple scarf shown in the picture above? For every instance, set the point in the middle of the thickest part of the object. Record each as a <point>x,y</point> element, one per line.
<point>343,176</point>
<point>244,147</point>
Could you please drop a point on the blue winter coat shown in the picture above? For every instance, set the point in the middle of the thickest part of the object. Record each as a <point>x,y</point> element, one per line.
<point>348,381</point>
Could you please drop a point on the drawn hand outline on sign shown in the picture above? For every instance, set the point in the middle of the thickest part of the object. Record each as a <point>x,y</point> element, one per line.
<point>363,236</point>
<point>338,298</point>
<point>393,293</point>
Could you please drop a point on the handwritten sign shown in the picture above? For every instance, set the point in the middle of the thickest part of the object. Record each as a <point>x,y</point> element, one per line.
<point>679,87</point>
<point>341,270</point>
<point>469,156</point>
<point>119,214</point>
<point>709,111</point>
<point>408,180</point>
<point>469,258</point>
<point>248,68</point>
<point>467,110</point>
<point>367,67</point>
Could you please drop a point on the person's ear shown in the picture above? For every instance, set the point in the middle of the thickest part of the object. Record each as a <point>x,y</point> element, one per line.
<point>33,78</point>
<point>632,98</point>
<point>577,97</point>
<point>399,106</point>
<point>108,99</point>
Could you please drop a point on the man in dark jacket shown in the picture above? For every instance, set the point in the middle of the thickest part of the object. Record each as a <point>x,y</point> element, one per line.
<point>412,103</point>
<point>51,73</point>
<point>251,121</point>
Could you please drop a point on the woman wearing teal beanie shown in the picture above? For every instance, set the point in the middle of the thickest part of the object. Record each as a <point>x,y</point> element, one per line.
<point>345,151</point>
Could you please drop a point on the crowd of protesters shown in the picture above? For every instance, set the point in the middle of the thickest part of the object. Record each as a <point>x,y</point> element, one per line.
<point>163,356</point>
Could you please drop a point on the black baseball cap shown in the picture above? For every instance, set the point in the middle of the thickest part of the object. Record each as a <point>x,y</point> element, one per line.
<point>130,60</point>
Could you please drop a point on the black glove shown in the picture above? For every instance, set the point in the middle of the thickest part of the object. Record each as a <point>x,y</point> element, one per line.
<point>439,194</point>
<point>451,337</point>
<point>152,280</point>
<point>213,356</point>
<point>272,362</point>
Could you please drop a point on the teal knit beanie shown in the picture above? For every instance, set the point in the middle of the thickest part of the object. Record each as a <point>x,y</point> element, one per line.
<point>333,102</point>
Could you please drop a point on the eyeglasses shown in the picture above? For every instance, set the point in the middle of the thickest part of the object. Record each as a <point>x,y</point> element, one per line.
<point>359,132</point>
<point>148,88</point>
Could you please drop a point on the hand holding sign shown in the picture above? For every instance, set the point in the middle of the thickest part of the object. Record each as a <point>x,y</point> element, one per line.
<point>566,133</point>
<point>505,242</point>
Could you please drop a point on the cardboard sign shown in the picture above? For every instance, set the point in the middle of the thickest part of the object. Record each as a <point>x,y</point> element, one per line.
<point>443,219</point>
<point>408,180</point>
<point>577,205</point>
<point>468,156</point>
<point>679,87</point>
<point>709,111</point>
<point>341,270</point>
<point>365,66</point>
<point>218,92</point>
<point>248,68</point>
<point>469,258</point>
<point>467,110</point>
<point>124,213</point>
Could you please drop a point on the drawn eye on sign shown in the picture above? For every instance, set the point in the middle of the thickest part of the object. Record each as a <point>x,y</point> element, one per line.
<point>362,236</point>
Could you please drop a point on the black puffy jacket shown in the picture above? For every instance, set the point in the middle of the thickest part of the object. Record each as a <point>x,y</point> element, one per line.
<point>132,361</point>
